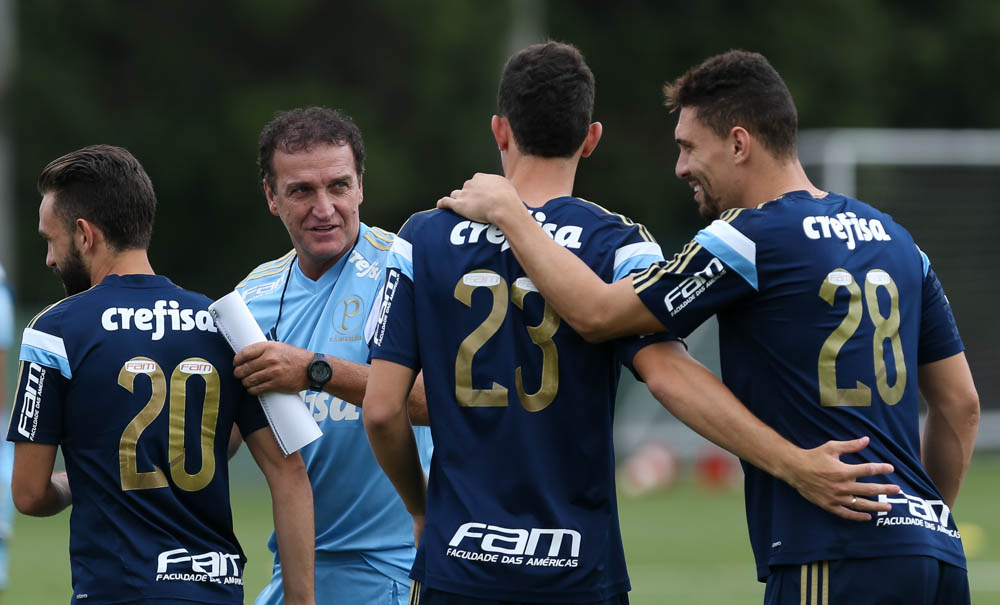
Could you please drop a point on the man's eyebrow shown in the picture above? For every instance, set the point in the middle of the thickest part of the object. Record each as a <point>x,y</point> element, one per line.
<point>295,184</point>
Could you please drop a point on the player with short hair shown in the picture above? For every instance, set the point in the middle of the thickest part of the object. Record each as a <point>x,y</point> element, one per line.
<point>129,376</point>
<point>521,505</point>
<point>831,324</point>
<point>319,303</point>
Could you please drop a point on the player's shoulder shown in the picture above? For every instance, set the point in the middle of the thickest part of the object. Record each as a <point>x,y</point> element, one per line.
<point>429,226</point>
<point>599,216</point>
<point>433,216</point>
<point>266,277</point>
<point>50,318</point>
<point>374,240</point>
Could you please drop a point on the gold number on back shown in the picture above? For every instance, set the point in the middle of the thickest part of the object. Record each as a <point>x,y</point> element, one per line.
<point>131,478</point>
<point>541,335</point>
<point>466,395</point>
<point>885,328</point>
<point>188,369</point>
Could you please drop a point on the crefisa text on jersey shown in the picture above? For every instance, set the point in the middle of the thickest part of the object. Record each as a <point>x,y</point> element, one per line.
<point>471,232</point>
<point>846,226</point>
<point>155,320</point>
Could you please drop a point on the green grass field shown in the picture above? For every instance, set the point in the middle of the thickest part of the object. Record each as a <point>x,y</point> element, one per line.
<point>685,545</point>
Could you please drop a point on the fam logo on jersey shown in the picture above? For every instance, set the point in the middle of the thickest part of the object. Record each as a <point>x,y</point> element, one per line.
<point>919,513</point>
<point>391,283</point>
<point>155,320</point>
<point>846,226</point>
<point>364,267</point>
<point>470,232</point>
<point>31,402</point>
<point>693,286</point>
<point>507,546</point>
<point>214,567</point>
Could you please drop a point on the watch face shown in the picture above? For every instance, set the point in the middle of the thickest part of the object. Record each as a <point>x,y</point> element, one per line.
<point>319,371</point>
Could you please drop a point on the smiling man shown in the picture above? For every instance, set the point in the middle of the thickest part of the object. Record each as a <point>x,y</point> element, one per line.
<point>318,304</point>
<point>832,324</point>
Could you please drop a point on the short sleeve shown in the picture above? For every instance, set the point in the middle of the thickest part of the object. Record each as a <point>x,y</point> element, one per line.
<point>627,348</point>
<point>37,414</point>
<point>697,283</point>
<point>250,415</point>
<point>939,337</point>
<point>395,335</point>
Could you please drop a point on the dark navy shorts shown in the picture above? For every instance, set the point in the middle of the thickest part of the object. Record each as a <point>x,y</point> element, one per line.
<point>886,581</point>
<point>422,595</point>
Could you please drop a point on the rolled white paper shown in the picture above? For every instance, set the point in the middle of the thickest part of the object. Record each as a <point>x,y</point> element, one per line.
<point>291,421</point>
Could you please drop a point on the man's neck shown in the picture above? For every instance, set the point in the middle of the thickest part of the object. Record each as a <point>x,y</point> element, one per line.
<point>539,179</point>
<point>129,262</point>
<point>315,268</point>
<point>775,179</point>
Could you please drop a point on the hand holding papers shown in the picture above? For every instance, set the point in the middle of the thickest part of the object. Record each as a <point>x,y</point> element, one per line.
<point>291,421</point>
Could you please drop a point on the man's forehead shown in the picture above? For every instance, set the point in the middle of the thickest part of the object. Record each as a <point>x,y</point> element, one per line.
<point>324,161</point>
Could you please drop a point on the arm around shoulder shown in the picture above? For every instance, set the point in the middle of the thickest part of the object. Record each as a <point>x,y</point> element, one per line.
<point>294,525</point>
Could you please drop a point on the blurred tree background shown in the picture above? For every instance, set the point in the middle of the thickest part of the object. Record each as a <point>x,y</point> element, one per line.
<point>186,86</point>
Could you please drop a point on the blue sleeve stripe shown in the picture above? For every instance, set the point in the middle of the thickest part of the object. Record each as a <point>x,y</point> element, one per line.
<point>401,257</point>
<point>636,263</point>
<point>46,358</point>
<point>735,259</point>
<point>636,256</point>
<point>926,261</point>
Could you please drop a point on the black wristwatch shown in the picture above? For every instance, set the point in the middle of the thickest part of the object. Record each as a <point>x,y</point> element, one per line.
<point>319,372</point>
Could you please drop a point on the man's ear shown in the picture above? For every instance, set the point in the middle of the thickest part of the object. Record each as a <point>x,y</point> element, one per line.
<point>85,235</point>
<point>742,144</point>
<point>501,132</point>
<point>272,204</point>
<point>594,133</point>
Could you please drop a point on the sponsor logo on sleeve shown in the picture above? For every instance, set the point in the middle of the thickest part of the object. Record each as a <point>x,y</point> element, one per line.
<point>31,401</point>
<point>693,286</point>
<point>391,282</point>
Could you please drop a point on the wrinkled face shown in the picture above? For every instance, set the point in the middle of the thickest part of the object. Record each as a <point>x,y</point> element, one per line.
<point>705,161</point>
<point>316,195</point>
<point>62,254</point>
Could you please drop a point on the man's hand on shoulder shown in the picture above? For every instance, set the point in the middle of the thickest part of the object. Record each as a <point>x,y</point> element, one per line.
<point>267,367</point>
<point>486,198</point>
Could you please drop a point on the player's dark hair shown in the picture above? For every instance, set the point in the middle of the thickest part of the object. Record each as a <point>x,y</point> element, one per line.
<point>107,186</point>
<point>739,88</point>
<point>300,130</point>
<point>547,95</point>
